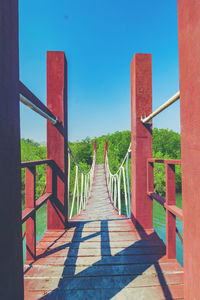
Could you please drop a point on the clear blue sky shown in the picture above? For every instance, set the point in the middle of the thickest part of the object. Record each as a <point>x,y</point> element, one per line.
<point>99,38</point>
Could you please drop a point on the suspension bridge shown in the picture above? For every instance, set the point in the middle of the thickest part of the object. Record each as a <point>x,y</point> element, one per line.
<point>101,244</point>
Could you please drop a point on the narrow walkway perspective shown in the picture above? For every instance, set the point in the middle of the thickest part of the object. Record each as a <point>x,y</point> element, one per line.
<point>102,255</point>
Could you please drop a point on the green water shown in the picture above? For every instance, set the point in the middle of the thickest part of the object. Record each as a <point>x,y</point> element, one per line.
<point>159,225</point>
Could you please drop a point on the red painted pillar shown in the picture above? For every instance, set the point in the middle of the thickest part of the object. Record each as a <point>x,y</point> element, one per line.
<point>95,145</point>
<point>105,151</point>
<point>141,138</point>
<point>170,218</point>
<point>31,222</point>
<point>57,139</point>
<point>189,62</point>
<point>11,260</point>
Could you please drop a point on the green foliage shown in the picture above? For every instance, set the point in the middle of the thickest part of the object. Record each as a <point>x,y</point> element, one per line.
<point>166,144</point>
<point>31,151</point>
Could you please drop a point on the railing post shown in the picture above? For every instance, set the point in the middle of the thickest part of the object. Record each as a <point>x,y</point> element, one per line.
<point>95,145</point>
<point>11,260</point>
<point>170,218</point>
<point>189,62</point>
<point>30,223</point>
<point>150,177</point>
<point>105,151</point>
<point>141,138</point>
<point>57,139</point>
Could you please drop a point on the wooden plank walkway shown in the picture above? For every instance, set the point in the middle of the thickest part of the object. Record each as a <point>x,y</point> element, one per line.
<point>102,256</point>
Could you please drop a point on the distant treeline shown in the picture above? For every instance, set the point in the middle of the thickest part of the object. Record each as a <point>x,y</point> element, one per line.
<point>166,144</point>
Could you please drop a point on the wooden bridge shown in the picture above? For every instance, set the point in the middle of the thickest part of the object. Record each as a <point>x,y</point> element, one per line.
<point>98,253</point>
<point>102,256</point>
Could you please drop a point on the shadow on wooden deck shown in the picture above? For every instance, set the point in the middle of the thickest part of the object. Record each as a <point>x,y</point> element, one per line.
<point>106,277</point>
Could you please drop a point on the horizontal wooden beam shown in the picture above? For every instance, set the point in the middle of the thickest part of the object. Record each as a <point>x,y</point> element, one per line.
<point>165,161</point>
<point>40,201</point>
<point>176,211</point>
<point>28,212</point>
<point>157,197</point>
<point>26,164</point>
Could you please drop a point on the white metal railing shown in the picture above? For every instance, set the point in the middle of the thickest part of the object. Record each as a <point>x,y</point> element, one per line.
<point>169,102</point>
<point>82,194</point>
<point>114,184</point>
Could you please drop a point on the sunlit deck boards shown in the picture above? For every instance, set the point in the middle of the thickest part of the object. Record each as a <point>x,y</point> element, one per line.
<point>102,256</point>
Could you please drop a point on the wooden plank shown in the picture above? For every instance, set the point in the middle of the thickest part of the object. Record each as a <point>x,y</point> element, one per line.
<point>102,282</point>
<point>78,252</point>
<point>178,212</point>
<point>40,201</point>
<point>88,244</point>
<point>43,271</point>
<point>155,293</point>
<point>26,213</point>
<point>34,163</point>
<point>165,161</point>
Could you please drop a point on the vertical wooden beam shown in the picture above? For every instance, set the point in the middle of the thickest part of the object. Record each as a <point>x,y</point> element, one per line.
<point>57,139</point>
<point>150,177</point>
<point>11,259</point>
<point>105,151</point>
<point>141,138</point>
<point>31,222</point>
<point>189,62</point>
<point>170,218</point>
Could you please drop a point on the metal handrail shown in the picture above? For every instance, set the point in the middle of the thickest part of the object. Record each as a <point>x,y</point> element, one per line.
<point>161,108</point>
<point>38,110</point>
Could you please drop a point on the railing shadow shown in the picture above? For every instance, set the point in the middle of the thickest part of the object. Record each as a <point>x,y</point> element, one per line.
<point>107,276</point>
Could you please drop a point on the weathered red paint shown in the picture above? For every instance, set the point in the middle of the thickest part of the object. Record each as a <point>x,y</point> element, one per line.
<point>57,138</point>
<point>141,138</point>
<point>95,145</point>
<point>105,151</point>
<point>170,218</point>
<point>31,222</point>
<point>11,260</point>
<point>150,177</point>
<point>189,62</point>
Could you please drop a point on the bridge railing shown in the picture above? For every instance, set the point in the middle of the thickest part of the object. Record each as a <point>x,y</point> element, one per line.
<point>56,194</point>
<point>32,204</point>
<point>119,183</point>
<point>169,204</point>
<point>83,183</point>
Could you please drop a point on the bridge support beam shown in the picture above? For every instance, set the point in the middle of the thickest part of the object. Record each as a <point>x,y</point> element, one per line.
<point>10,158</point>
<point>189,62</point>
<point>141,138</point>
<point>57,140</point>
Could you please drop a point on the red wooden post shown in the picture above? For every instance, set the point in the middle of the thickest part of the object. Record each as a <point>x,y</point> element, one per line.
<point>57,139</point>
<point>170,218</point>
<point>11,259</point>
<point>150,177</point>
<point>141,138</point>
<point>105,151</point>
<point>30,223</point>
<point>95,145</point>
<point>189,62</point>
